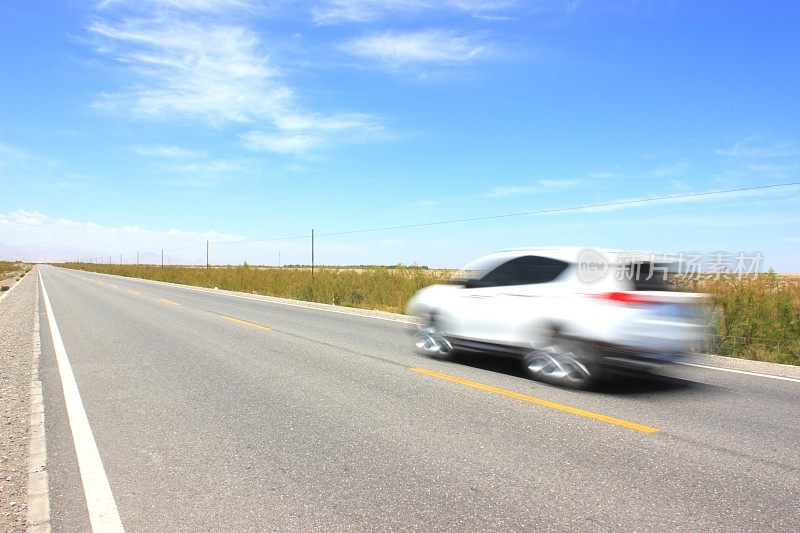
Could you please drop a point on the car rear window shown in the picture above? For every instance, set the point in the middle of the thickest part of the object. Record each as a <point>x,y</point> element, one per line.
<point>647,276</point>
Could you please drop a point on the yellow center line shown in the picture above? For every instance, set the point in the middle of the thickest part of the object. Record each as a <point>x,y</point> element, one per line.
<point>246,323</point>
<point>538,401</point>
<point>133,292</point>
<point>169,301</point>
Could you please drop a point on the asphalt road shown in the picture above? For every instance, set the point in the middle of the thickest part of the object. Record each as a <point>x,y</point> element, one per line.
<point>316,420</point>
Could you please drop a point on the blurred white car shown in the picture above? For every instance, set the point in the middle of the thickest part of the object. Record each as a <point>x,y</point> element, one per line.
<point>568,313</point>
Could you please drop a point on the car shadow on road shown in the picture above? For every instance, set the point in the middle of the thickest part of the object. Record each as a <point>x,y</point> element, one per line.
<point>614,383</point>
<point>630,384</point>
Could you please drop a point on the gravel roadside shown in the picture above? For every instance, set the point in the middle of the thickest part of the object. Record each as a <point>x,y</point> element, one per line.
<point>16,350</point>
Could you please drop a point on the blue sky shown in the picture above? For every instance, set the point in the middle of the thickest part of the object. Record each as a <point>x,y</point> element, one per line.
<point>134,126</point>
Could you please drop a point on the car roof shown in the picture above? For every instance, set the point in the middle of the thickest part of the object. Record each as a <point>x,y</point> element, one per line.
<point>571,254</point>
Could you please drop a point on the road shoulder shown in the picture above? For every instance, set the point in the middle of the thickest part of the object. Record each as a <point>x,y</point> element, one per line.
<point>746,365</point>
<point>17,347</point>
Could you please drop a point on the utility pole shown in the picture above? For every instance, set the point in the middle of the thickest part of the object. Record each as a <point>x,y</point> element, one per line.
<point>207,262</point>
<point>279,258</point>
<point>120,259</point>
<point>312,256</point>
<point>162,258</point>
<point>137,258</point>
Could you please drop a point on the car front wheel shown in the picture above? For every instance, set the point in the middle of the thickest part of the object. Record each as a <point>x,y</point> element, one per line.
<point>430,341</point>
<point>565,362</point>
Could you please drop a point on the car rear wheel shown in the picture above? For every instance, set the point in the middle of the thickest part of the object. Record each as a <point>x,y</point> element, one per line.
<point>565,362</point>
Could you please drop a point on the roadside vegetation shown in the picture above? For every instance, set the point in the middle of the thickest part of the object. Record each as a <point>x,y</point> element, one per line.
<point>9,267</point>
<point>754,318</point>
<point>757,318</point>
<point>11,272</point>
<point>382,288</point>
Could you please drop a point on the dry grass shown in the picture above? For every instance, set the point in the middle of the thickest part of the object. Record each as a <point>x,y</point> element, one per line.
<point>9,267</point>
<point>756,319</point>
<point>383,288</point>
<point>13,270</point>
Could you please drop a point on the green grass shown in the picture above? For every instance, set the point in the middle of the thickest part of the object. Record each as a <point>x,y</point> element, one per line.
<point>755,318</point>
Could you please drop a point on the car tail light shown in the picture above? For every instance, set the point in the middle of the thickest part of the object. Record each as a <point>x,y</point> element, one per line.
<point>626,298</point>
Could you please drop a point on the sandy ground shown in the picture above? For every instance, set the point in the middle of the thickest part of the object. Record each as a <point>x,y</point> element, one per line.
<point>16,349</point>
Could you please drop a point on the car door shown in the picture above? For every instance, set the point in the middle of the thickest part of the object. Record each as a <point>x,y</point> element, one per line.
<point>495,308</point>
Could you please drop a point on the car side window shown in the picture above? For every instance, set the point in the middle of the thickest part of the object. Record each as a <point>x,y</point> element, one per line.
<point>525,270</point>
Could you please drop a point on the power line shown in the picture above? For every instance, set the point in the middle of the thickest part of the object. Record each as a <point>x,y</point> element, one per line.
<point>529,213</point>
<point>564,209</point>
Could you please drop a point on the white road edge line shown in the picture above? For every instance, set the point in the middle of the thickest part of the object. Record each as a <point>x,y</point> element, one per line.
<point>758,374</point>
<point>103,513</point>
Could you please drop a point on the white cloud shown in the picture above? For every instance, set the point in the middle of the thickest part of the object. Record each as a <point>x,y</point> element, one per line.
<point>338,11</point>
<point>281,143</point>
<point>540,187</point>
<point>168,152</point>
<point>32,235</point>
<point>301,133</point>
<point>341,122</point>
<point>190,167</point>
<point>675,169</point>
<point>502,192</point>
<point>480,6</point>
<point>202,172</point>
<point>209,167</point>
<point>207,6</point>
<point>175,66</point>
<point>759,148</point>
<point>211,72</point>
<point>426,46</point>
<point>686,197</point>
<point>24,218</point>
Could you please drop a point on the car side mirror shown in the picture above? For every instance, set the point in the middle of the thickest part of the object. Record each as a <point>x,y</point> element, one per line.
<point>475,284</point>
